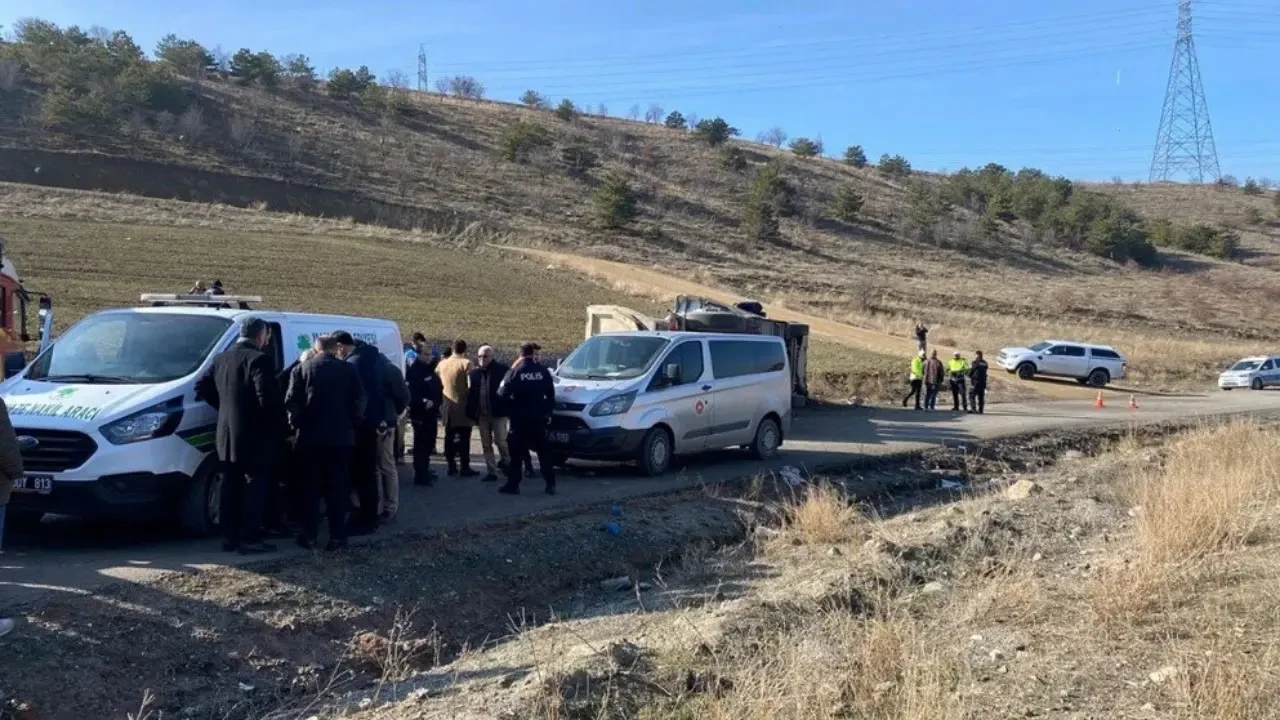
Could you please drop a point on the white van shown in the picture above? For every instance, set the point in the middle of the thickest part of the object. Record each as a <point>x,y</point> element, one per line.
<point>107,418</point>
<point>646,396</point>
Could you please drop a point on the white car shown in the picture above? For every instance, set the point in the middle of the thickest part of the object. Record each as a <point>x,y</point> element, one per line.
<point>1095,365</point>
<point>1255,373</point>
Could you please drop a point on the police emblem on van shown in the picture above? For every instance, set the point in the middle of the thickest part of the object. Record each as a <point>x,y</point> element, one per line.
<point>26,443</point>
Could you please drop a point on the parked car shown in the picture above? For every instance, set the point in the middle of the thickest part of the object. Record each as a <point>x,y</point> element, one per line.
<point>1095,365</point>
<point>1254,373</point>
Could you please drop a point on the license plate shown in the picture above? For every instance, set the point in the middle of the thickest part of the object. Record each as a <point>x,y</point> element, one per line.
<point>41,484</point>
<point>560,437</point>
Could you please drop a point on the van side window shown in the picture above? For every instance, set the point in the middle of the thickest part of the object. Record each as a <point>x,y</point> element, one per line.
<point>1268,365</point>
<point>735,358</point>
<point>274,349</point>
<point>688,356</point>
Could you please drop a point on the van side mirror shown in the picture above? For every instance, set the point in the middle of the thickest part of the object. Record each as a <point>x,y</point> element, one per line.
<point>671,373</point>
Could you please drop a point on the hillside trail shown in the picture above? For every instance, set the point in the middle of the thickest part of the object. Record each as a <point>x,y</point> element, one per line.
<point>649,282</point>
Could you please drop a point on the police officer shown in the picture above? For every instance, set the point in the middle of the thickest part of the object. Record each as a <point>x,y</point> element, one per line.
<point>978,385</point>
<point>531,395</point>
<point>957,369</point>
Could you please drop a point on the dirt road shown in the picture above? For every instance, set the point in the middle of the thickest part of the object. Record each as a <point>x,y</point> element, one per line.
<point>67,556</point>
<point>645,281</point>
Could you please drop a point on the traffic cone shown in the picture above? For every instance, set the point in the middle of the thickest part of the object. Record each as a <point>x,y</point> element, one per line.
<point>1133,402</point>
<point>1098,403</point>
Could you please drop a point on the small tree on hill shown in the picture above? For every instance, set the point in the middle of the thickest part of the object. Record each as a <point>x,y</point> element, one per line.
<point>675,120</point>
<point>731,157</point>
<point>532,99</point>
<point>715,131</point>
<point>343,84</point>
<point>615,201</point>
<point>187,57</point>
<point>653,114</point>
<point>520,139</point>
<point>847,203</point>
<point>774,136</point>
<point>805,148</point>
<point>262,68</point>
<point>855,156</point>
<point>925,209</point>
<point>770,197</point>
<point>465,86</point>
<point>566,110</point>
<point>894,166</point>
<point>634,113</point>
<point>579,159</point>
<point>299,72</point>
<point>1251,187</point>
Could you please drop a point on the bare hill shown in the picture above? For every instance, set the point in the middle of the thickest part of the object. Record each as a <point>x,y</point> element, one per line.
<point>982,276</point>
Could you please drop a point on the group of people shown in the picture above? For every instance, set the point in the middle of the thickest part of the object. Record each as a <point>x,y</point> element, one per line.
<point>930,374</point>
<point>325,429</point>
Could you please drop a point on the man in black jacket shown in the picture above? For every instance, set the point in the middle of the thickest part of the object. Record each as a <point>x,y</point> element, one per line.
<point>386,396</point>
<point>326,402</point>
<point>978,385</point>
<point>531,396</point>
<point>488,410</point>
<point>241,386</point>
<point>424,412</point>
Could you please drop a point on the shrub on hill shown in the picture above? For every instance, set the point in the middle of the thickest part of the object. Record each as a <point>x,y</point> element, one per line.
<point>520,139</point>
<point>579,159</point>
<point>855,156</point>
<point>566,110</point>
<point>806,148</point>
<point>731,157</point>
<point>847,203</point>
<point>715,131</point>
<point>675,120</point>
<point>894,166</point>
<point>532,99</point>
<point>770,198</point>
<point>1251,187</point>
<point>615,201</point>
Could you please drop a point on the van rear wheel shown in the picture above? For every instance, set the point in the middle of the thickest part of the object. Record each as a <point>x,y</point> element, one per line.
<point>768,439</point>
<point>1256,384</point>
<point>202,507</point>
<point>654,455</point>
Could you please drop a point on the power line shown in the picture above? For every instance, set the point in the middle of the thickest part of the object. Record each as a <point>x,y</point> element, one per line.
<point>1184,141</point>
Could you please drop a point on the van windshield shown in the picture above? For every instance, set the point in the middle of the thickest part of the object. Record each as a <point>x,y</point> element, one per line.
<point>1246,365</point>
<point>127,348</point>
<point>612,357</point>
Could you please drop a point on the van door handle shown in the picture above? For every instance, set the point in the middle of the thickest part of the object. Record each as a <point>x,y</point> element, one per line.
<point>706,388</point>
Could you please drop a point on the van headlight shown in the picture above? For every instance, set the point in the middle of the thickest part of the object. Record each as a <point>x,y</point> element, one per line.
<point>156,421</point>
<point>615,405</point>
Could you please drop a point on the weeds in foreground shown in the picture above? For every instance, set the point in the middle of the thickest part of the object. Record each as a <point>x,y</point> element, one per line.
<point>822,513</point>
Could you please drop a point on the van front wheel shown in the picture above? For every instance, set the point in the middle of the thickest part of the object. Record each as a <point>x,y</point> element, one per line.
<point>768,439</point>
<point>654,455</point>
<point>202,507</point>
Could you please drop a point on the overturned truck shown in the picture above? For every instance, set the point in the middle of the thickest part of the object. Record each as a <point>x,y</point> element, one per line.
<point>695,314</point>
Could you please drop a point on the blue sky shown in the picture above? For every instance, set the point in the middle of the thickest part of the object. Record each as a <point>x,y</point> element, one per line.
<point>1073,87</point>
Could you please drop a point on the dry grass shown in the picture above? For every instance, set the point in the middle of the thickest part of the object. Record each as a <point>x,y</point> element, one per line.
<point>1217,491</point>
<point>1225,684</point>
<point>836,665</point>
<point>823,513</point>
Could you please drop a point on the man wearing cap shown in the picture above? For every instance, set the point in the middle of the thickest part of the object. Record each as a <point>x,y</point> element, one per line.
<point>488,410</point>
<point>531,395</point>
<point>957,369</point>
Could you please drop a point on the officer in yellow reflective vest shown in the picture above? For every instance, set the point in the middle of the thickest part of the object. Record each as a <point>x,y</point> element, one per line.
<point>916,379</point>
<point>957,369</point>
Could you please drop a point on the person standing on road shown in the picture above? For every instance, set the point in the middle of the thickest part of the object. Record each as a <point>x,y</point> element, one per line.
<point>531,396</point>
<point>916,378</point>
<point>241,387</point>
<point>934,374</point>
<point>978,384</point>
<point>327,403</point>
<point>957,369</point>
<point>424,413</point>
<point>488,410</point>
<point>10,471</point>
<point>454,372</point>
<point>373,470</point>
<point>922,334</point>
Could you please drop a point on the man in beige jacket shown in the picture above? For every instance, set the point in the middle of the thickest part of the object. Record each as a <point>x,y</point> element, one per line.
<point>10,470</point>
<point>453,372</point>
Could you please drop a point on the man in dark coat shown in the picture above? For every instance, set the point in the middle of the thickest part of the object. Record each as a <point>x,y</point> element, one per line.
<point>385,398</point>
<point>424,412</point>
<point>531,396</point>
<point>488,410</point>
<point>327,403</point>
<point>241,386</point>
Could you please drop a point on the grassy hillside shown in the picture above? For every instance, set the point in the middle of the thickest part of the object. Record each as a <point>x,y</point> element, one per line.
<point>980,276</point>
